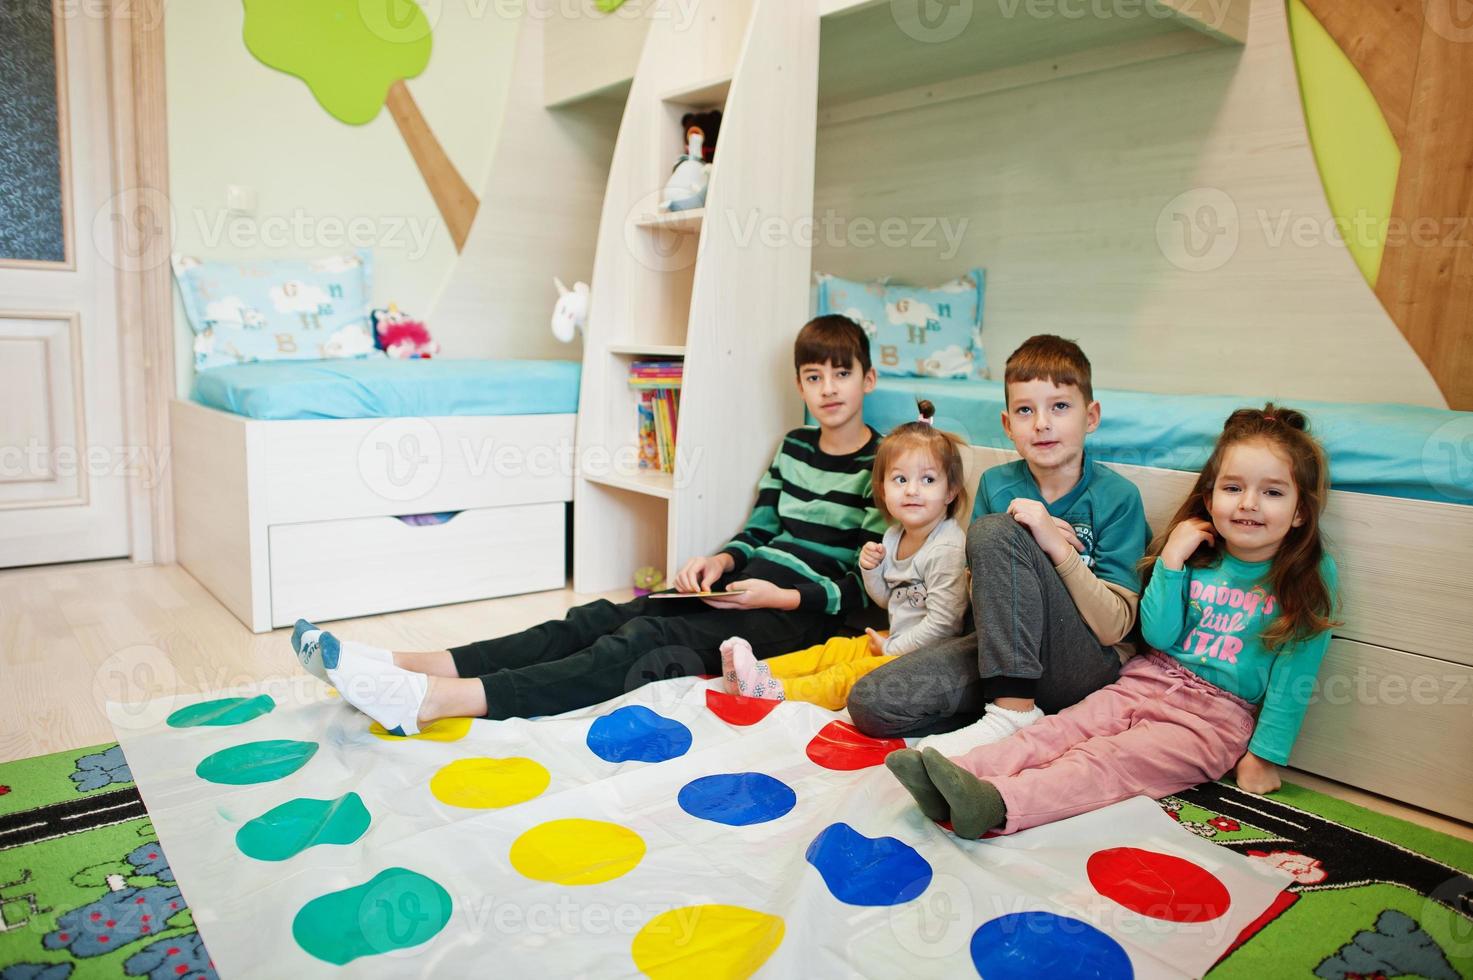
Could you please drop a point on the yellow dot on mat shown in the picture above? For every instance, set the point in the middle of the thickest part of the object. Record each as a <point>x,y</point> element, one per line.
<point>444,730</point>
<point>714,942</point>
<point>577,852</point>
<point>485,784</point>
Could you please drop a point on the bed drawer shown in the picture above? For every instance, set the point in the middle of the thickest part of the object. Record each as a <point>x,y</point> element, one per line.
<point>333,469</point>
<point>1394,723</point>
<point>336,569</point>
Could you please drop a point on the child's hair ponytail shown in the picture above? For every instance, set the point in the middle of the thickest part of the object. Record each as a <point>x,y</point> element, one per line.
<point>1305,603</point>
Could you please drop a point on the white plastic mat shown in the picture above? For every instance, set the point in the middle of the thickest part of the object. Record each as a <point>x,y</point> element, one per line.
<point>1030,903</point>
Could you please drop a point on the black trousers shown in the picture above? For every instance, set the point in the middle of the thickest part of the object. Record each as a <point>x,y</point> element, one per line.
<point>602,650</point>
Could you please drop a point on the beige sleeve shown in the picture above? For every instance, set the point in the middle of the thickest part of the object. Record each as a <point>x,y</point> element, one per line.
<point>1108,609</point>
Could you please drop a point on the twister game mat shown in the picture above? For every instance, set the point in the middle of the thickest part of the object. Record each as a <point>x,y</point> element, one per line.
<point>675,831</point>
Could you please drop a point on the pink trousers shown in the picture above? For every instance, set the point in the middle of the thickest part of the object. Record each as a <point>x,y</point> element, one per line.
<point>1156,731</point>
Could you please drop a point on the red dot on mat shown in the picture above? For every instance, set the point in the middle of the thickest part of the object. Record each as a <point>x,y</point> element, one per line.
<point>138,901</point>
<point>173,905</point>
<point>96,916</point>
<point>1161,886</point>
<point>839,745</point>
<point>145,918</point>
<point>102,939</point>
<point>144,930</point>
<point>64,937</point>
<point>737,710</point>
<point>181,968</point>
<point>173,950</point>
<point>154,856</point>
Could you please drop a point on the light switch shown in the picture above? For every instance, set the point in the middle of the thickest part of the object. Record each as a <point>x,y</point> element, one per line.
<point>240,199</point>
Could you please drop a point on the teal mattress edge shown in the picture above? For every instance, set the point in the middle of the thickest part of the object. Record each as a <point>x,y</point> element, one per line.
<point>1405,451</point>
<point>382,387</point>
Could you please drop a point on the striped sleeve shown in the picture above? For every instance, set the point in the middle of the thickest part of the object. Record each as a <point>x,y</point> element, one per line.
<point>762,526</point>
<point>814,512</point>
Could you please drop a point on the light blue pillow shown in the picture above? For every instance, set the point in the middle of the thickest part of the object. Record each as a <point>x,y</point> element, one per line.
<point>915,332</point>
<point>277,309</point>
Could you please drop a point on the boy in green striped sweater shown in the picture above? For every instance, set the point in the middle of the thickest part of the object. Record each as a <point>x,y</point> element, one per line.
<point>795,564</point>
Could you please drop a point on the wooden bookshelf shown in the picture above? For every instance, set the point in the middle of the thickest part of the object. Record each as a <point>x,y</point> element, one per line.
<point>664,286</point>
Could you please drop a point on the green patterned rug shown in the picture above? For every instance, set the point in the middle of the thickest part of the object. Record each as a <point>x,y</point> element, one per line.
<point>86,891</point>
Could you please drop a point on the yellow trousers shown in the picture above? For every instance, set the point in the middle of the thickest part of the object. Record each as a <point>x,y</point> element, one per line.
<point>824,675</point>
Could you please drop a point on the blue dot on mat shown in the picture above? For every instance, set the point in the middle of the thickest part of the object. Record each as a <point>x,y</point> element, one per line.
<point>737,799</point>
<point>862,870</point>
<point>639,734</point>
<point>1024,945</point>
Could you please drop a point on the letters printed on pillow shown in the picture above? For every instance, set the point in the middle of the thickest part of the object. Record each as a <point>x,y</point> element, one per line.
<point>913,331</point>
<point>277,309</point>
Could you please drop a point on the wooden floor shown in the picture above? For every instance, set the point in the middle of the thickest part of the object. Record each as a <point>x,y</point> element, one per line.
<point>73,637</point>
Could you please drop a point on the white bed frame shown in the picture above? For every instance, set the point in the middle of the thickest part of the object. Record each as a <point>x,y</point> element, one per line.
<point>288,519</point>
<point>1393,706</point>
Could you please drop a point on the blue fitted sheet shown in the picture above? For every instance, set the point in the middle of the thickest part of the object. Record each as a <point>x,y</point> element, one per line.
<point>385,387</point>
<point>1392,450</point>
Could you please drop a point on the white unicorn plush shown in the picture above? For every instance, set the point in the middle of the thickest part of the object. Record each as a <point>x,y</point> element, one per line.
<point>570,316</point>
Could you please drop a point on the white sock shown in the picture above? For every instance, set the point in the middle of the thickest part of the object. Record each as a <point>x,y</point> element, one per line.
<point>391,696</point>
<point>995,725</point>
<point>308,645</point>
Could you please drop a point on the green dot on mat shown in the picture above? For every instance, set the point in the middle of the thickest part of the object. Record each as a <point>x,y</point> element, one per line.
<point>296,825</point>
<point>225,711</point>
<point>397,909</point>
<point>255,762</point>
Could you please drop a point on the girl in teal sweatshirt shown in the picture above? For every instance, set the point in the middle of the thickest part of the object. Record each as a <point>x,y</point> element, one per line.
<point>1237,607</point>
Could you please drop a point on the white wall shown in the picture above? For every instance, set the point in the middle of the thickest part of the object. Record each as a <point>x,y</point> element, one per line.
<point>233,120</point>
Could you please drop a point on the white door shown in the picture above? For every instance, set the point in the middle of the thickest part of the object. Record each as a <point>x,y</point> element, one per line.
<point>63,462</point>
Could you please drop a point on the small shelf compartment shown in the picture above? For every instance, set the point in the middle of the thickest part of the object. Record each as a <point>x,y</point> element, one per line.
<point>648,350</point>
<point>651,483</point>
<point>680,222</point>
<point>708,94</point>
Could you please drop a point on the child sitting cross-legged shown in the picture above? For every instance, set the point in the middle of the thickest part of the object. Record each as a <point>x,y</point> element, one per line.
<point>1237,606</point>
<point>919,573</point>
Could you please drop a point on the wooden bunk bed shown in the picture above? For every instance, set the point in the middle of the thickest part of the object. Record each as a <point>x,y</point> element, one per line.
<point>1066,139</point>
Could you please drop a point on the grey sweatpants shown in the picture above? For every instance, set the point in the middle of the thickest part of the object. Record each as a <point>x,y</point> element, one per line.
<point>1027,627</point>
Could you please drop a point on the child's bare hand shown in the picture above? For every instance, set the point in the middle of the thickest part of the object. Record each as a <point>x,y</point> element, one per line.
<point>756,593</point>
<point>699,574</point>
<point>1257,775</point>
<point>1040,523</point>
<point>1185,539</point>
<point>1067,530</point>
<point>876,642</point>
<point>871,555</point>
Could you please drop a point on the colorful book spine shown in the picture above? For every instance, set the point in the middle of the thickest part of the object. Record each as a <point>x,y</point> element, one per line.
<point>658,384</point>
<point>649,454</point>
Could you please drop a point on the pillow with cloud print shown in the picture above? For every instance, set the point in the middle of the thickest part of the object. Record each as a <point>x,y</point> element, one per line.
<point>915,332</point>
<point>277,309</point>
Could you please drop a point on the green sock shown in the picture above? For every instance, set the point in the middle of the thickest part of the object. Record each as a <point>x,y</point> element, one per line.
<point>907,766</point>
<point>976,805</point>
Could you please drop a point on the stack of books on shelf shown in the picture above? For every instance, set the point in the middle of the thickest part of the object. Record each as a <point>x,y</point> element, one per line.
<point>658,384</point>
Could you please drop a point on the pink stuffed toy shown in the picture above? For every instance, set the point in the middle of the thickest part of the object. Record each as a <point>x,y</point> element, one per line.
<point>401,336</point>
